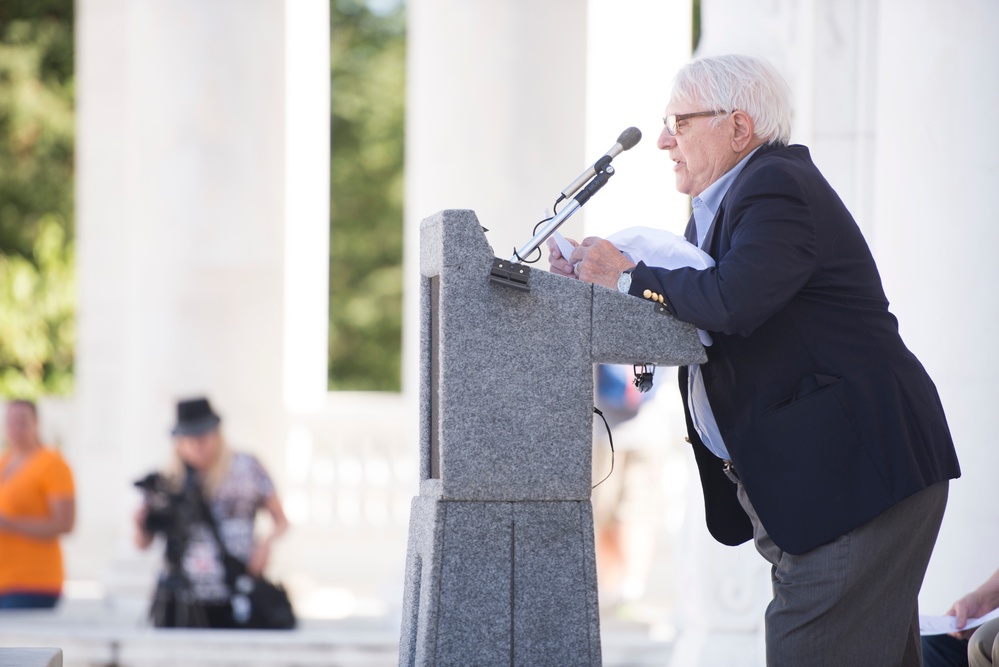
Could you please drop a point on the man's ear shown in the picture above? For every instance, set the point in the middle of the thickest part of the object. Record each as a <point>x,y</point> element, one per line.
<point>743,130</point>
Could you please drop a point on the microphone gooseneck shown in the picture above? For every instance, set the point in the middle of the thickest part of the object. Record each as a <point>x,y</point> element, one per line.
<point>593,178</point>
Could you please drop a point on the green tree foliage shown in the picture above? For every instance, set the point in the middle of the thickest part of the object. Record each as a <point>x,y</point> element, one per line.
<point>368,61</point>
<point>36,197</point>
<point>696,26</point>
<point>37,310</point>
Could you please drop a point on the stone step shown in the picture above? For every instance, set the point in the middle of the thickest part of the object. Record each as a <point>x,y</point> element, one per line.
<point>94,633</point>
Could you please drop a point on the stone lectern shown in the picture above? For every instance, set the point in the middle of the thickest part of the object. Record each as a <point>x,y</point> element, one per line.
<point>500,564</point>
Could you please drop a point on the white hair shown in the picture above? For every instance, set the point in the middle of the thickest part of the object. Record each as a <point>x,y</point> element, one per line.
<point>738,82</point>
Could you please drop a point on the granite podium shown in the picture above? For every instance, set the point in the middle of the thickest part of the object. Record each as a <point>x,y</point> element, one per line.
<point>500,562</point>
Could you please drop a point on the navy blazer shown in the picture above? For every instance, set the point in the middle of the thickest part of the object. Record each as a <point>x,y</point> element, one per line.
<point>828,417</point>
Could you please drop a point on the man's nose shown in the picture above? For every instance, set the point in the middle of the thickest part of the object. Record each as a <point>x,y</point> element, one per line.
<point>666,140</point>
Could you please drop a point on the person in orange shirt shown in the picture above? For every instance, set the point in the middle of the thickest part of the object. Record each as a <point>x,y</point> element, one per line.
<point>37,505</point>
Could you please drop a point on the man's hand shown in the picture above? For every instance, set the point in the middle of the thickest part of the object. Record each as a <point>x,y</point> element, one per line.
<point>595,260</point>
<point>559,264</point>
<point>599,262</point>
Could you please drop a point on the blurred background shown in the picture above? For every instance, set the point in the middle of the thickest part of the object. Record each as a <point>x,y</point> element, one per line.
<point>223,198</point>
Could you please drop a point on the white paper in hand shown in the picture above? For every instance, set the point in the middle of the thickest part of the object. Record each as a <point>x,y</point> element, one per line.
<point>658,247</point>
<point>941,625</point>
<point>564,246</point>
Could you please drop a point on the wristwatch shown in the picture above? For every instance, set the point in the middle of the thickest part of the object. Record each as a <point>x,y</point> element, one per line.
<point>624,281</point>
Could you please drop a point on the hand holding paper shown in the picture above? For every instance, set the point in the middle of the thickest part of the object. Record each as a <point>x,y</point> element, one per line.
<point>939,625</point>
<point>658,247</point>
<point>560,265</point>
<point>655,247</point>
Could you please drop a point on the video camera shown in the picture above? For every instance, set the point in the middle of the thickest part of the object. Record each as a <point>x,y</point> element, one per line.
<point>170,510</point>
<point>161,503</point>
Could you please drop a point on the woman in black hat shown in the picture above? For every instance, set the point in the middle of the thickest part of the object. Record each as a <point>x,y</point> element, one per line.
<point>208,483</point>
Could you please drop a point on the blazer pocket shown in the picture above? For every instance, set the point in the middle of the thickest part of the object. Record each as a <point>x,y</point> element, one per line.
<point>806,388</point>
<point>813,430</point>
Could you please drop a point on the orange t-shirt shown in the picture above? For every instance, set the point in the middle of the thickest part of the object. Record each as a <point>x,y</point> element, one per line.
<point>30,565</point>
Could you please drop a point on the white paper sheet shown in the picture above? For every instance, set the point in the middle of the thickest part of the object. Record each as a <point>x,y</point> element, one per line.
<point>564,246</point>
<point>940,625</point>
<point>658,247</point>
<point>655,247</point>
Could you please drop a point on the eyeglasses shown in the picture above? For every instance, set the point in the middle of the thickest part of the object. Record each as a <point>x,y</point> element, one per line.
<point>672,121</point>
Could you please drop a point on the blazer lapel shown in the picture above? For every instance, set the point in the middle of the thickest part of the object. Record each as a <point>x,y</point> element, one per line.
<point>709,238</point>
<point>690,233</point>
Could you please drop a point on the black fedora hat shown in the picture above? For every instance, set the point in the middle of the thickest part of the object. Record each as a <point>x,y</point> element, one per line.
<point>194,417</point>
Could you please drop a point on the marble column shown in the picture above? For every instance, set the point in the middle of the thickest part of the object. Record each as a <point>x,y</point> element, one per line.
<point>495,122</point>
<point>199,199</point>
<point>937,67</point>
<point>867,79</point>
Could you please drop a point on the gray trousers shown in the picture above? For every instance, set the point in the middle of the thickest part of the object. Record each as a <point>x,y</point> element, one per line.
<point>852,602</point>
<point>983,647</point>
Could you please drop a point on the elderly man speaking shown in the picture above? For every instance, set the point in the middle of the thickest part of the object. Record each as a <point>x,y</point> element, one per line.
<point>816,432</point>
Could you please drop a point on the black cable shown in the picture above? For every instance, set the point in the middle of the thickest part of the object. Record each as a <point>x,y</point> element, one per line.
<point>610,439</point>
<point>530,261</point>
<point>535,231</point>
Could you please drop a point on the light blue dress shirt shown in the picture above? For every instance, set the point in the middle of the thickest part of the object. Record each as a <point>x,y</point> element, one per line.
<point>705,207</point>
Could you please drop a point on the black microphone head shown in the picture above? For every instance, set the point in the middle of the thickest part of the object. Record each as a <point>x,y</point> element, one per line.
<point>629,138</point>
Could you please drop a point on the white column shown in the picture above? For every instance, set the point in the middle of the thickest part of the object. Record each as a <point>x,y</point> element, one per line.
<point>495,121</point>
<point>868,79</point>
<point>937,70</point>
<point>205,200</point>
<point>202,223</point>
<point>635,48</point>
<point>103,248</point>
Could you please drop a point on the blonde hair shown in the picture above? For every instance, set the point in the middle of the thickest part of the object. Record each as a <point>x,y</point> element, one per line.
<point>210,479</point>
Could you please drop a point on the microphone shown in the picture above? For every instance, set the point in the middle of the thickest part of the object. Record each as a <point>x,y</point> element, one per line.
<point>626,141</point>
<point>593,179</point>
